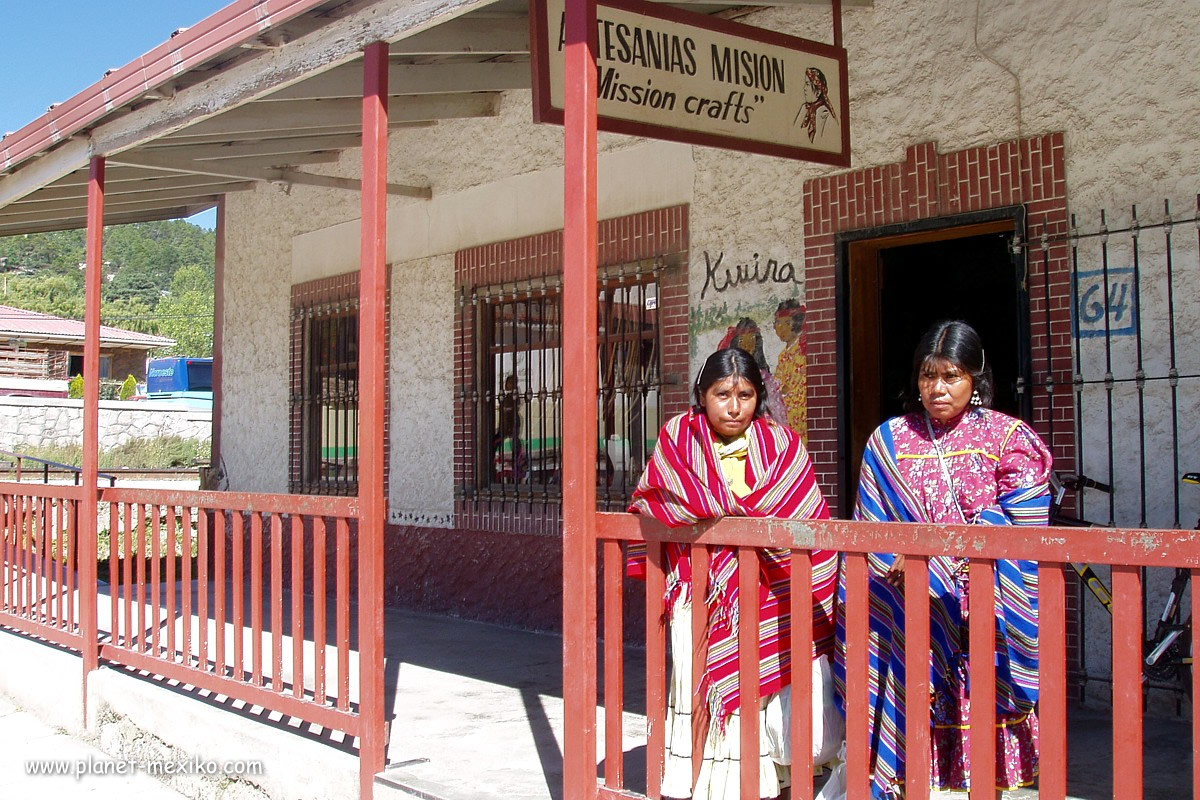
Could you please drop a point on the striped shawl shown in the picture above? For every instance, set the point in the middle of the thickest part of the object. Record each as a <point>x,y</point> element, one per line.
<point>682,485</point>
<point>883,495</point>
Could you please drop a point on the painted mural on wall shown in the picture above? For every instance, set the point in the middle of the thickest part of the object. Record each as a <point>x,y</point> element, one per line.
<point>757,304</point>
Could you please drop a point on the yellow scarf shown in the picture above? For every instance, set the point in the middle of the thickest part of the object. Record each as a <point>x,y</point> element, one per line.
<point>732,456</point>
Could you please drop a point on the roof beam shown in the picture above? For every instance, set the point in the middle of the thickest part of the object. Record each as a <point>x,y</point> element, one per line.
<point>336,42</point>
<point>350,127</point>
<point>186,160</point>
<point>254,118</point>
<point>257,174</point>
<point>69,214</point>
<point>60,162</point>
<point>405,79</point>
<point>122,187</point>
<point>71,223</point>
<point>476,35</point>
<point>294,145</point>
<point>78,201</point>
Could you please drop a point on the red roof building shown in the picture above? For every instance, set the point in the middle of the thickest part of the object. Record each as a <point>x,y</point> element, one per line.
<point>40,352</point>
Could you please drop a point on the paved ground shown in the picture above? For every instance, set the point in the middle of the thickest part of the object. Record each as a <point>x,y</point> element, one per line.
<point>28,745</point>
<point>476,715</point>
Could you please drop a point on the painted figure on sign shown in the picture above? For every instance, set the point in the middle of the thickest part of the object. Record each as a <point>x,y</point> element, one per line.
<point>817,110</point>
<point>791,370</point>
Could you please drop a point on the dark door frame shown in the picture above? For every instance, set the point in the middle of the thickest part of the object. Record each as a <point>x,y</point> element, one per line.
<point>848,246</point>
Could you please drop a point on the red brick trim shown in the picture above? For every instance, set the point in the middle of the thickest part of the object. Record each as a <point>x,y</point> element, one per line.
<point>334,289</point>
<point>650,234</point>
<point>926,185</point>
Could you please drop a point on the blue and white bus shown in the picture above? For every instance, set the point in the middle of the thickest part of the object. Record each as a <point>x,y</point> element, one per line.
<point>180,379</point>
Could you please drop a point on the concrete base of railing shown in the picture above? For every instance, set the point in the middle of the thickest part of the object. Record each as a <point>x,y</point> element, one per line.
<point>131,717</point>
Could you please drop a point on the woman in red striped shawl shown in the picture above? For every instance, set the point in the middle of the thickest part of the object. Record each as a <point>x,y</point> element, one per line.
<point>727,457</point>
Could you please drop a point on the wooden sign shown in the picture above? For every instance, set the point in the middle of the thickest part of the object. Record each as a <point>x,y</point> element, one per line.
<point>669,74</point>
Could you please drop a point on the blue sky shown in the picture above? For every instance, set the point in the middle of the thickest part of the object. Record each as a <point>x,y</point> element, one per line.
<point>51,51</point>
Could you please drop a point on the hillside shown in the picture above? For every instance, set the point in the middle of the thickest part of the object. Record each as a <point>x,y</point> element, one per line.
<point>158,278</point>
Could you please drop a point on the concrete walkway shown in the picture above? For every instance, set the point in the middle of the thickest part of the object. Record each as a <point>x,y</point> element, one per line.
<point>39,761</point>
<point>476,715</point>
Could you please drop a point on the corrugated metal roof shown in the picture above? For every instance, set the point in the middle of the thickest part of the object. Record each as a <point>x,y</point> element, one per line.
<point>34,326</point>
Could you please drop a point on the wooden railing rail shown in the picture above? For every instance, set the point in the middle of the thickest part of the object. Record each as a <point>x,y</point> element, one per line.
<point>1054,548</point>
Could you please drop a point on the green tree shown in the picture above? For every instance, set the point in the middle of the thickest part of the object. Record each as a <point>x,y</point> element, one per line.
<point>134,282</point>
<point>192,278</point>
<point>188,319</point>
<point>132,314</point>
<point>42,271</point>
<point>49,294</point>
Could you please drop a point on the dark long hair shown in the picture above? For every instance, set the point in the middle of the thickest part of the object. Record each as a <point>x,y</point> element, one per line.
<point>732,362</point>
<point>956,342</point>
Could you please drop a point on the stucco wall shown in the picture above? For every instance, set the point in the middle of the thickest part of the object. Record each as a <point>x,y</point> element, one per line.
<point>420,401</point>
<point>26,422</point>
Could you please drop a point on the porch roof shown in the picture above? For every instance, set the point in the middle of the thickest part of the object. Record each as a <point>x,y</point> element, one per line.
<point>258,92</point>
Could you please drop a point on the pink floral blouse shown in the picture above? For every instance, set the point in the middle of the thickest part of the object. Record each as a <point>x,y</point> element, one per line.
<point>986,453</point>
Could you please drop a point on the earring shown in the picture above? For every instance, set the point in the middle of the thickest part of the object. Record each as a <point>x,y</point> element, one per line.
<point>976,400</point>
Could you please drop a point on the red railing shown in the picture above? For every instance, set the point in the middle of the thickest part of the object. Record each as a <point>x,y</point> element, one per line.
<point>229,636</point>
<point>204,587</point>
<point>39,545</point>
<point>1053,548</point>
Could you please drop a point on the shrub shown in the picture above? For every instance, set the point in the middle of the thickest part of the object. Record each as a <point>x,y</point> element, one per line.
<point>167,451</point>
<point>75,387</point>
<point>128,388</point>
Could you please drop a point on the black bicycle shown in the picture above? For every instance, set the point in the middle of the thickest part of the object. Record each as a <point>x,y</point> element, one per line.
<point>1167,654</point>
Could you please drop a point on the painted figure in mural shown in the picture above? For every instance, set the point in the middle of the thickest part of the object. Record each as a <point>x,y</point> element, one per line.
<point>791,370</point>
<point>510,460</point>
<point>747,336</point>
<point>816,110</point>
<point>725,457</point>
<point>952,459</point>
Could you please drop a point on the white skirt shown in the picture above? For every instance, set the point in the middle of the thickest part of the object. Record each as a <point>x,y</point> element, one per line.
<point>720,771</point>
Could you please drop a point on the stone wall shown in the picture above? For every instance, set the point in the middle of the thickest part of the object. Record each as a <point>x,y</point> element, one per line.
<point>31,422</point>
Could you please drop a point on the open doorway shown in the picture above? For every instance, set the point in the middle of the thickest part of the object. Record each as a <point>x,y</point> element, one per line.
<point>893,284</point>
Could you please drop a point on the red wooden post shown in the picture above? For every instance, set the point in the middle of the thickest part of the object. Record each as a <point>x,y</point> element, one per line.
<point>579,401</point>
<point>1052,678</point>
<point>89,506</point>
<point>858,745</point>
<point>802,646</point>
<point>656,663</point>
<point>916,668</point>
<point>699,623</point>
<point>1127,681</point>
<point>1195,686</point>
<point>614,667</point>
<point>749,665</point>
<point>372,289</point>
<point>982,604</point>
<point>214,459</point>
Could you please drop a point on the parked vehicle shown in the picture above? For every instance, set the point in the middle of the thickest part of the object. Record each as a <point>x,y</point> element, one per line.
<point>180,380</point>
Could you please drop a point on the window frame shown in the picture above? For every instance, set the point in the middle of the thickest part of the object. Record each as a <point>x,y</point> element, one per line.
<point>323,298</point>
<point>659,236</point>
<point>488,411</point>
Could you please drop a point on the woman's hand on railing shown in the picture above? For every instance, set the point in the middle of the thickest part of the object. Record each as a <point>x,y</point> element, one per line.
<point>895,575</point>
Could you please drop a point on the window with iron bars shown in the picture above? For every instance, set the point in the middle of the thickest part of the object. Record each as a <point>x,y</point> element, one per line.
<point>519,374</point>
<point>325,403</point>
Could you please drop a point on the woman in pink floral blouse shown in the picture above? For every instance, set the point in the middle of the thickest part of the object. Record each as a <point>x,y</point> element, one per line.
<point>952,460</point>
